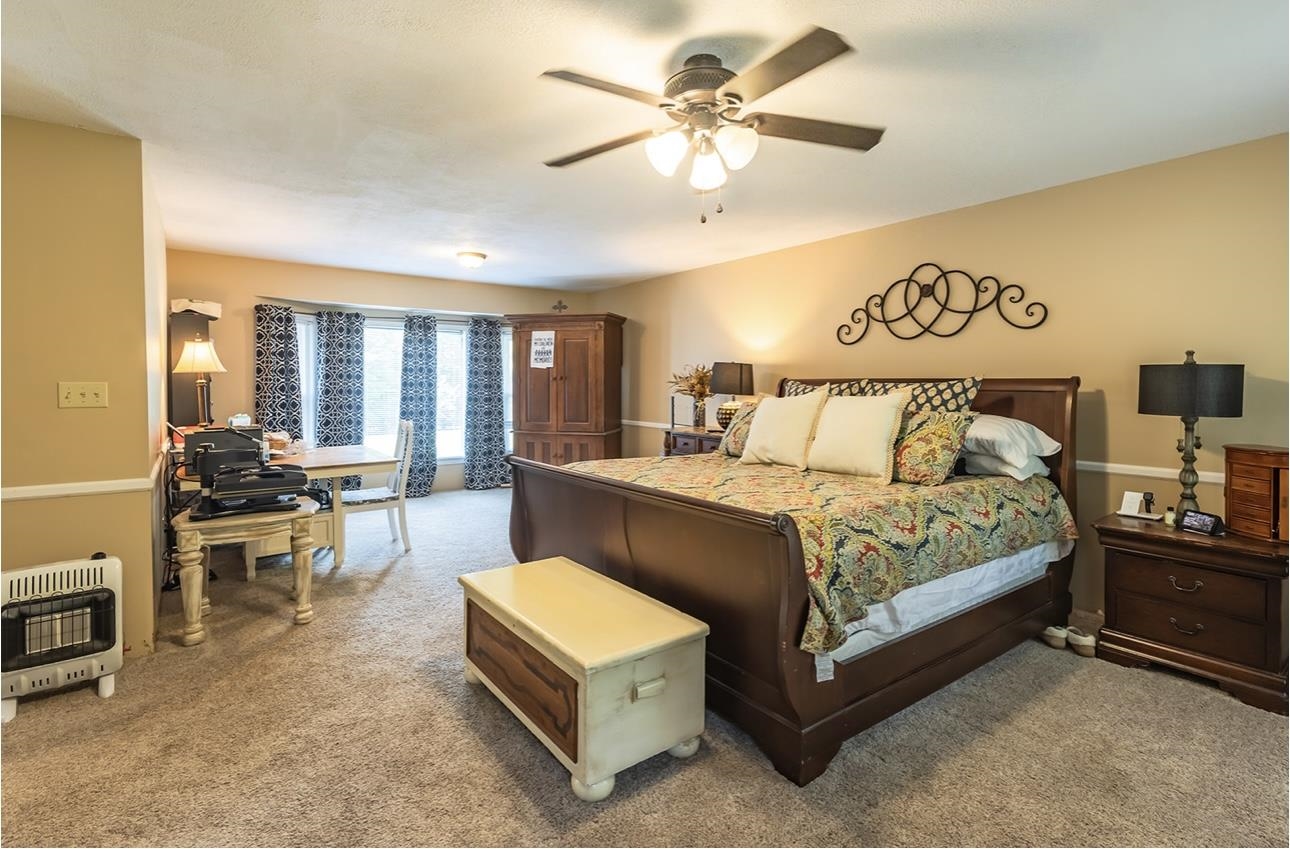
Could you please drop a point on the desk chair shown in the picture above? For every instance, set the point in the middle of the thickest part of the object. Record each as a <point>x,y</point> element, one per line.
<point>393,496</point>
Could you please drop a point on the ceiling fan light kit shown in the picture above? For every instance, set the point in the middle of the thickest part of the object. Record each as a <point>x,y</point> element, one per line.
<point>737,145</point>
<point>705,99</point>
<point>707,173</point>
<point>666,150</point>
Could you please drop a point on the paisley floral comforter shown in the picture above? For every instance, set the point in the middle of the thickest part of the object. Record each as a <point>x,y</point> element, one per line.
<point>865,542</point>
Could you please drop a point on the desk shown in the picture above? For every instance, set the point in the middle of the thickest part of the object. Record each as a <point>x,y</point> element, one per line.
<point>335,463</point>
<point>332,464</point>
<point>191,535</point>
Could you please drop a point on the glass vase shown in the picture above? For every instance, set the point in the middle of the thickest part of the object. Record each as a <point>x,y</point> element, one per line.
<point>700,413</point>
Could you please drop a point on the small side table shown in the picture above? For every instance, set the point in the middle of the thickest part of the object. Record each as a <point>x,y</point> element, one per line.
<point>1209,606</point>
<point>690,440</point>
<point>192,535</point>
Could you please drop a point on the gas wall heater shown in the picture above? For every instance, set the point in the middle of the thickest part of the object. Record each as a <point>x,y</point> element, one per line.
<point>61,624</point>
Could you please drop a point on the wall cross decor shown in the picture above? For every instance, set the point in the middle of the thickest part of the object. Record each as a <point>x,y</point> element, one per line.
<point>559,305</point>
<point>933,300</point>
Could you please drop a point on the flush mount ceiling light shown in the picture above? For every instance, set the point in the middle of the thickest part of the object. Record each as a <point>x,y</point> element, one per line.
<point>471,259</point>
<point>704,98</point>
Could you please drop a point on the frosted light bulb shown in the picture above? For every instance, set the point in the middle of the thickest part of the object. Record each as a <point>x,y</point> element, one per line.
<point>666,151</point>
<point>707,173</point>
<point>737,145</point>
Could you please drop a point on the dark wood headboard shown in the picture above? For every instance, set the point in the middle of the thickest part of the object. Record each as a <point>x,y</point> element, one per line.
<point>1048,403</point>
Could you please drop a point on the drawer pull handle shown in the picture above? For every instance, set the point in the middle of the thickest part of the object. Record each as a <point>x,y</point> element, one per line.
<point>1182,630</point>
<point>1197,585</point>
<point>648,689</point>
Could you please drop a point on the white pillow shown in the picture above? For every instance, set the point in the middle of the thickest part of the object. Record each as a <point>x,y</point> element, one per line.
<point>855,435</point>
<point>781,431</point>
<point>1011,440</point>
<point>984,464</point>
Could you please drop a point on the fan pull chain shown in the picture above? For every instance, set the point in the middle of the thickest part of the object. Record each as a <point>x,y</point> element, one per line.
<point>703,207</point>
<point>720,209</point>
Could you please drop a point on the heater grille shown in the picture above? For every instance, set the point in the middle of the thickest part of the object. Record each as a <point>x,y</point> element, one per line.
<point>31,584</point>
<point>59,623</point>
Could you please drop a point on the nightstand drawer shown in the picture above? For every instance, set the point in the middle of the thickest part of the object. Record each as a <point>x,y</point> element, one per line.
<point>684,444</point>
<point>1176,582</point>
<point>1191,628</point>
<point>707,446</point>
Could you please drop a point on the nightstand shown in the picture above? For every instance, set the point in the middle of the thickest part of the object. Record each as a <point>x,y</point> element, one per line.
<point>1210,606</point>
<point>690,440</point>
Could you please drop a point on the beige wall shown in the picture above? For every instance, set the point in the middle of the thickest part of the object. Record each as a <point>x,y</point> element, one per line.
<point>79,303</point>
<point>156,309</point>
<point>1135,267</point>
<point>239,283</point>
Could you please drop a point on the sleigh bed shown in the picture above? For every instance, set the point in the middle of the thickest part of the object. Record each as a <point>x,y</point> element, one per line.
<point>743,573</point>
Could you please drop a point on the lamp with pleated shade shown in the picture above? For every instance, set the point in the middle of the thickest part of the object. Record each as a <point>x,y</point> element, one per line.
<point>199,358</point>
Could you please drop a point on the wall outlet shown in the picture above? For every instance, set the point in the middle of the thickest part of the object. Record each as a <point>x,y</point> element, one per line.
<point>80,393</point>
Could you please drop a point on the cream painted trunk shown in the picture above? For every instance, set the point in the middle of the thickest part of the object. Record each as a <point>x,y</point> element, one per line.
<point>605,677</point>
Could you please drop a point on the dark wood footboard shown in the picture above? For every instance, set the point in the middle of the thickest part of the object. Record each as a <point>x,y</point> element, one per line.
<point>743,573</point>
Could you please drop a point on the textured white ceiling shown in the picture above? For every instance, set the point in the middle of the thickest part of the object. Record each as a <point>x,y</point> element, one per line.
<point>389,135</point>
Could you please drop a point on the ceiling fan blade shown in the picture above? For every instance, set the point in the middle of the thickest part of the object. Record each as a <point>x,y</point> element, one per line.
<point>613,88</point>
<point>810,51</point>
<point>598,149</point>
<point>820,132</point>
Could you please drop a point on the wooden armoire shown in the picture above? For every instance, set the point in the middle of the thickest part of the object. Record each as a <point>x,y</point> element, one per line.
<point>572,410</point>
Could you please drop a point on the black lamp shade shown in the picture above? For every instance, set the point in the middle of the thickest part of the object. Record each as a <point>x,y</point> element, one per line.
<point>732,379</point>
<point>1191,390</point>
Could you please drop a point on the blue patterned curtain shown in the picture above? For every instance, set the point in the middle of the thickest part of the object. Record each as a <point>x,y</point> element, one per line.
<point>340,382</point>
<point>485,407</point>
<point>417,399</point>
<point>277,370</point>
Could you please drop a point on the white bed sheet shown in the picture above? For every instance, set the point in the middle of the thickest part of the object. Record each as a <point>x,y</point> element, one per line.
<point>918,607</point>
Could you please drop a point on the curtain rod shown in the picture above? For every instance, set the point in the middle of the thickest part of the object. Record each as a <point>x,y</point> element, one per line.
<point>312,308</point>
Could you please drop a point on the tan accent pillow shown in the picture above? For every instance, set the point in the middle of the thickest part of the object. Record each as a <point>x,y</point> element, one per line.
<point>855,435</point>
<point>782,428</point>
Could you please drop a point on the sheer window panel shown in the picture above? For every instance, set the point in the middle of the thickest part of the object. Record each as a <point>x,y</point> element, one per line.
<point>382,382</point>
<point>508,384</point>
<point>307,350</point>
<point>451,393</point>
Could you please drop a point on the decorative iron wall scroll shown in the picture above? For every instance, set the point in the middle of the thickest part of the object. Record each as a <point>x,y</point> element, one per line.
<point>942,303</point>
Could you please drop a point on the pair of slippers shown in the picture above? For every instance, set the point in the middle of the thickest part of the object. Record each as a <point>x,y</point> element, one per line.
<point>1061,636</point>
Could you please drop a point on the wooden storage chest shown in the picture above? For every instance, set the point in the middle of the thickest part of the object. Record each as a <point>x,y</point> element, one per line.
<point>604,676</point>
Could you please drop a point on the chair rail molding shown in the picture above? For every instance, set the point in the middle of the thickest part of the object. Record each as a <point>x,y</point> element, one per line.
<point>75,488</point>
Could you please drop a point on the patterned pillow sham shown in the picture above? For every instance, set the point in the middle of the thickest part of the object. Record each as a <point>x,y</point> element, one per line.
<point>736,436</point>
<point>928,444</point>
<point>846,387</point>
<point>948,396</point>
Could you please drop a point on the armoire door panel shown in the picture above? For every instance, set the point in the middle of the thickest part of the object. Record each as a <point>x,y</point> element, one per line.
<point>579,391</point>
<point>534,389</point>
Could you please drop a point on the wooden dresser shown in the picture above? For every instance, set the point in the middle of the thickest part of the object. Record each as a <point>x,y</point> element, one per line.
<point>1211,606</point>
<point>690,440</point>
<point>1257,486</point>
<point>572,410</point>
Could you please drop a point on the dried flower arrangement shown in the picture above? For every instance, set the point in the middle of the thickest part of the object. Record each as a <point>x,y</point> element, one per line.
<point>695,381</point>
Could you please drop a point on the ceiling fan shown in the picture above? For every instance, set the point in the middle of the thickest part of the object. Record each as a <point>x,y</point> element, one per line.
<point>705,99</point>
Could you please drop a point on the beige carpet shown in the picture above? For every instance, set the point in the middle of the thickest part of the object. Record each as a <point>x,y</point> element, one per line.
<point>358,729</point>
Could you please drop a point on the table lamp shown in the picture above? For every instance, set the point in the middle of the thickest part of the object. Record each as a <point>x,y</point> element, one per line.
<point>1190,391</point>
<point>731,379</point>
<point>199,358</point>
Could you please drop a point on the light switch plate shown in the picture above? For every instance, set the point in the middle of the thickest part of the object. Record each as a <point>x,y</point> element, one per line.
<point>82,393</point>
